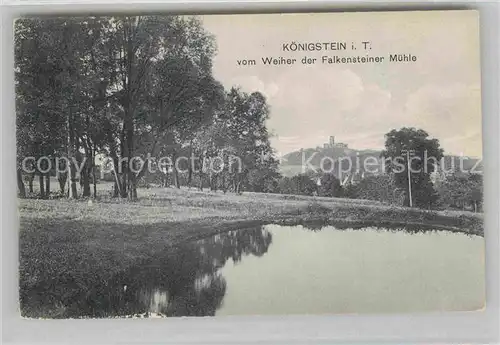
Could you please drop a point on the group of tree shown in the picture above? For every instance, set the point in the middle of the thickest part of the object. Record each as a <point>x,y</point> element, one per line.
<point>454,191</point>
<point>142,86</point>
<point>125,87</point>
<point>461,191</point>
<point>458,189</point>
<point>407,147</point>
<point>412,148</point>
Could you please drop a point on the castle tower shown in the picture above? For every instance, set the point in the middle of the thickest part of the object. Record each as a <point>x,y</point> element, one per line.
<point>332,140</point>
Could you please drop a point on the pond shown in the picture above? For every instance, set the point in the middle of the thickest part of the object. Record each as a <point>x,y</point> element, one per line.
<point>275,269</point>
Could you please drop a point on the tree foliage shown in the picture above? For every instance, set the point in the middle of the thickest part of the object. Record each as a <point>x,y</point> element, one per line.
<point>381,188</point>
<point>300,184</point>
<point>128,87</point>
<point>412,147</point>
<point>462,191</point>
<point>330,186</point>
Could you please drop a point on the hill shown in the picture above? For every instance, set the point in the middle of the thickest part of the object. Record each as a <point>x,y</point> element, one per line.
<point>354,163</point>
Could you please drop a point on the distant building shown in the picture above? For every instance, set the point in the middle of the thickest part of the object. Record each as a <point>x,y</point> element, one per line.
<point>332,141</point>
<point>331,144</point>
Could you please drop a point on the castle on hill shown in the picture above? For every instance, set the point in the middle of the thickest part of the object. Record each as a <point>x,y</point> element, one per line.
<point>332,144</point>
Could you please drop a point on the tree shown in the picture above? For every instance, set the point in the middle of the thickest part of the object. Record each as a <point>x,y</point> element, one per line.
<point>40,68</point>
<point>298,185</point>
<point>116,85</point>
<point>247,138</point>
<point>177,51</point>
<point>131,87</point>
<point>60,79</point>
<point>264,180</point>
<point>381,188</point>
<point>475,193</point>
<point>462,191</point>
<point>424,153</point>
<point>285,185</point>
<point>235,148</point>
<point>330,186</point>
<point>350,191</point>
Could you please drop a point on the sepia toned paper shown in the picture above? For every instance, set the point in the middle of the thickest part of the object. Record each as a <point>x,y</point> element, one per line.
<point>250,164</point>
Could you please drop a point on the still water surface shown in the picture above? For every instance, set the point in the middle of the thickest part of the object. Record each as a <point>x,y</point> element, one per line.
<point>357,271</point>
<point>292,269</point>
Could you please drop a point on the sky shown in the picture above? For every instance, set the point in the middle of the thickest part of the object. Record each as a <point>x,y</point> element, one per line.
<point>359,103</point>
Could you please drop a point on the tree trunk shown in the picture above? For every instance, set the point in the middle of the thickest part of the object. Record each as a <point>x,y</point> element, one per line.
<point>200,186</point>
<point>119,188</point>
<point>123,180</point>
<point>175,173</point>
<point>190,175</point>
<point>85,175</point>
<point>224,187</point>
<point>213,183</point>
<point>95,182</point>
<point>122,185</point>
<point>190,165</point>
<point>116,191</point>
<point>20,184</point>
<point>42,188</point>
<point>62,181</point>
<point>201,159</point>
<point>128,102</point>
<point>165,180</point>
<point>132,178</point>
<point>73,193</point>
<point>86,183</point>
<point>132,193</point>
<point>47,184</point>
<point>93,172</point>
<point>31,178</point>
<point>176,177</point>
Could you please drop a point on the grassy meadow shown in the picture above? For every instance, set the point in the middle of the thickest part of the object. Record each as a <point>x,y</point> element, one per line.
<point>89,241</point>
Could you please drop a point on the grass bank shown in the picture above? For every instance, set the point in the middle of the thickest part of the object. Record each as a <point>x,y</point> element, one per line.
<point>79,244</point>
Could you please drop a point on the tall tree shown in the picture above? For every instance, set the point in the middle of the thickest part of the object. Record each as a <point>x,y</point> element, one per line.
<point>116,85</point>
<point>410,147</point>
<point>246,140</point>
<point>164,62</point>
<point>39,75</point>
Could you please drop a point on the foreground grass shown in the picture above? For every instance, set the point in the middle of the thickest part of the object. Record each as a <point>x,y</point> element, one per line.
<point>83,243</point>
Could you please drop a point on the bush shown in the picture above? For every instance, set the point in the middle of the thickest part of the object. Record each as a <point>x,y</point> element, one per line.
<point>381,188</point>
<point>330,186</point>
<point>297,185</point>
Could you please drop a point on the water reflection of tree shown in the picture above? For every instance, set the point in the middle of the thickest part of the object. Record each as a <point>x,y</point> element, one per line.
<point>410,228</point>
<point>183,281</point>
<point>235,244</point>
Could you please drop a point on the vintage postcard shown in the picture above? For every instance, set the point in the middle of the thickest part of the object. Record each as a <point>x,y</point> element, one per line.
<point>260,164</point>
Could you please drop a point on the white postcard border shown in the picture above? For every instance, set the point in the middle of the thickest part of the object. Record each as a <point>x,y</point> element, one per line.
<point>467,327</point>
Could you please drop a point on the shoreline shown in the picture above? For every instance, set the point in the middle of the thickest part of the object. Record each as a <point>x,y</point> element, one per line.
<point>316,222</point>
<point>65,242</point>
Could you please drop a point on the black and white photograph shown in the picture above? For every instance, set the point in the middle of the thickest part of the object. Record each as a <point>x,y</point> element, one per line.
<point>249,164</point>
